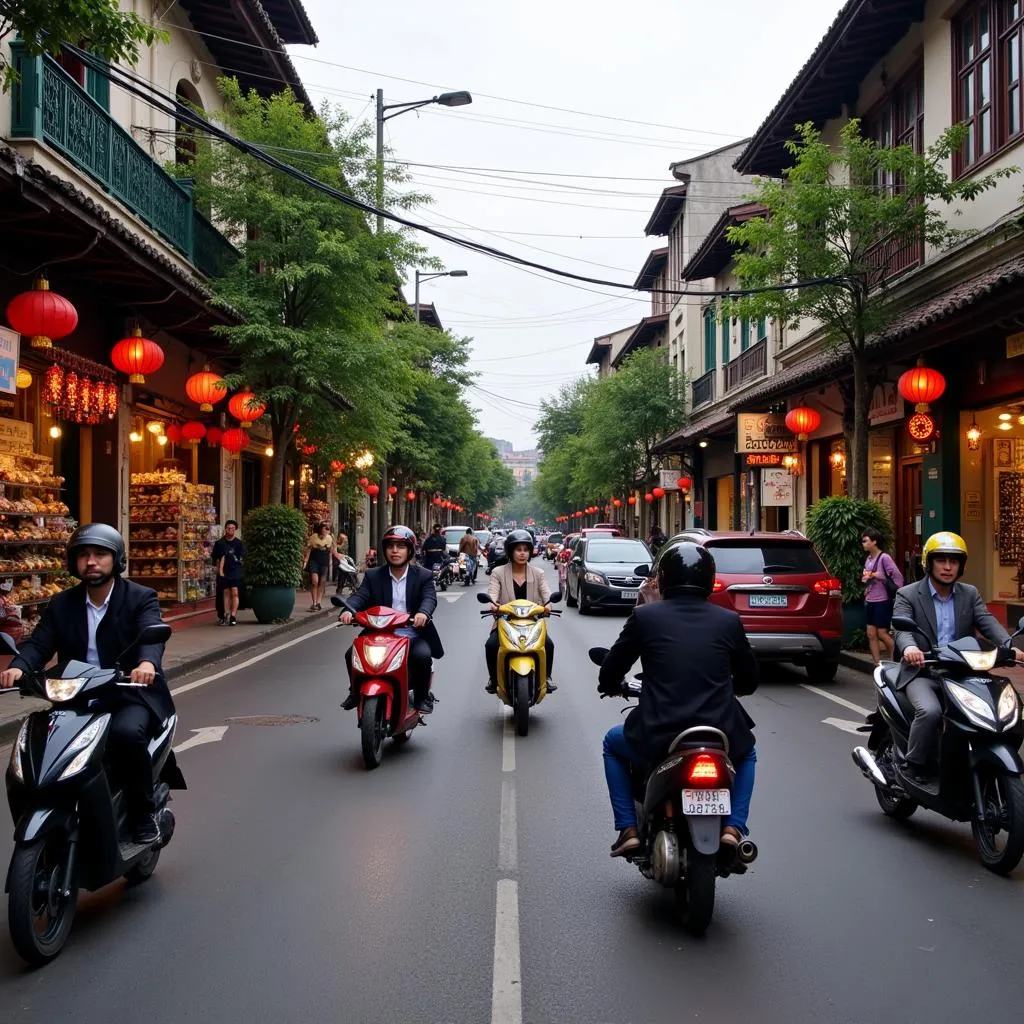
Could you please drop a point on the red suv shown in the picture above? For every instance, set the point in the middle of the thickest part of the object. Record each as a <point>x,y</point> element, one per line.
<point>791,606</point>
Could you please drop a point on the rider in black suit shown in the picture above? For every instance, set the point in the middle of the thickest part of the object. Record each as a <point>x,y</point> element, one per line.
<point>408,587</point>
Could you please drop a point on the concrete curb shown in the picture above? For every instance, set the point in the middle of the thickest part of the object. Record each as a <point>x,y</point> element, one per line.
<point>9,730</point>
<point>858,663</point>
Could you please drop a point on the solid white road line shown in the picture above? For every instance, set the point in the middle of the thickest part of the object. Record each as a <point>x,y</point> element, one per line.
<point>508,743</point>
<point>208,734</point>
<point>507,990</point>
<point>842,701</point>
<point>845,724</point>
<point>250,661</point>
<point>508,844</point>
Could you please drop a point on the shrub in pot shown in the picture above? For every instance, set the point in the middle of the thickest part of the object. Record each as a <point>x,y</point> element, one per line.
<point>275,541</point>
<point>835,526</point>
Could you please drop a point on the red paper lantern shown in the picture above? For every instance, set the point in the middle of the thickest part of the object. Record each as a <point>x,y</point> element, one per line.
<point>803,421</point>
<point>392,490</point>
<point>921,427</point>
<point>234,440</point>
<point>684,483</point>
<point>173,434</point>
<point>247,408</point>
<point>72,392</point>
<point>205,389</point>
<point>922,385</point>
<point>53,385</point>
<point>373,490</point>
<point>137,356</point>
<point>337,466</point>
<point>193,432</point>
<point>213,436</point>
<point>631,500</point>
<point>648,497</point>
<point>410,495</point>
<point>111,399</point>
<point>437,502</point>
<point>309,449</point>
<point>41,316</point>
<point>617,502</point>
<point>658,492</point>
<point>364,482</point>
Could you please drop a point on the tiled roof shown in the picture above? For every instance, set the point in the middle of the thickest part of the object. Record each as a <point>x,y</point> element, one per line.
<point>669,203</point>
<point>656,260</point>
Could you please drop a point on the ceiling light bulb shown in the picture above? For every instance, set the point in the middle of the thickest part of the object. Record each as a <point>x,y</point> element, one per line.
<point>155,427</point>
<point>55,431</point>
<point>161,440</point>
<point>135,437</point>
<point>269,452</point>
<point>1006,426</point>
<point>1005,416</point>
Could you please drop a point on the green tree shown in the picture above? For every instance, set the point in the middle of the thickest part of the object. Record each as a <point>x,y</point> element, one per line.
<point>522,504</point>
<point>559,439</point>
<point>95,25</point>
<point>847,213</point>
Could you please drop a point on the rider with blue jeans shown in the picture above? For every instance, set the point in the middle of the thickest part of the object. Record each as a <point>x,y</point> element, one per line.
<point>696,660</point>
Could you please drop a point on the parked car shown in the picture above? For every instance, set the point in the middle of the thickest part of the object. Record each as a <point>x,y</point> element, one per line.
<point>601,572</point>
<point>790,604</point>
<point>615,528</point>
<point>553,546</point>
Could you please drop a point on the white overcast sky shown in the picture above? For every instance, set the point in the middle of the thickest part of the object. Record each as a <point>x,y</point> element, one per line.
<point>707,73</point>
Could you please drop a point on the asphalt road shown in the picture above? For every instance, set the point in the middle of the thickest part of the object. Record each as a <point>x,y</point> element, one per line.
<point>468,879</point>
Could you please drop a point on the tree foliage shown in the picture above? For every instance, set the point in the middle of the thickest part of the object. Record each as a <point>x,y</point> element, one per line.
<point>845,216</point>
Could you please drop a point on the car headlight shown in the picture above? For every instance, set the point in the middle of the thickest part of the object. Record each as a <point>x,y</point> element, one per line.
<point>977,709</point>
<point>59,690</point>
<point>1007,707</point>
<point>595,577</point>
<point>85,742</point>
<point>980,661</point>
<point>17,750</point>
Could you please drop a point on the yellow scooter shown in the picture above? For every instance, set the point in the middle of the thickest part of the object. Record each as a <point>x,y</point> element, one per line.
<point>522,655</point>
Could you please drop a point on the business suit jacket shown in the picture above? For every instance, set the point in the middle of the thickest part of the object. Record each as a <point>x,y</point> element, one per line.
<point>63,630</point>
<point>696,658</point>
<point>969,612</point>
<point>420,596</point>
<point>502,586</point>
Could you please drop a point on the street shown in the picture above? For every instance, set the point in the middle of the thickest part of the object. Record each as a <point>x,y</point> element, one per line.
<point>468,879</point>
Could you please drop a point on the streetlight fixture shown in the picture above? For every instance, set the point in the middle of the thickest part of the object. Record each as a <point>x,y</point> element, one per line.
<point>445,99</point>
<point>420,276</point>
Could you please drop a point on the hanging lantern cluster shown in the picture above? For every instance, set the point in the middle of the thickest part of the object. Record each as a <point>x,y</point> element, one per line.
<point>42,316</point>
<point>79,398</point>
<point>213,436</point>
<point>137,356</point>
<point>235,441</point>
<point>193,432</point>
<point>206,388</point>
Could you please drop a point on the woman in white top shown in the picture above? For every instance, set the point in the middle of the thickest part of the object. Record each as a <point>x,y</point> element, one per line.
<point>516,579</point>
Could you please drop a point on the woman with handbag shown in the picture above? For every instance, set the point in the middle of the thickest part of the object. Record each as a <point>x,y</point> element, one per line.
<point>882,579</point>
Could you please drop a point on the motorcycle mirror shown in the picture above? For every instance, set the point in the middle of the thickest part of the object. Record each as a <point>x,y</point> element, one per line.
<point>642,570</point>
<point>904,623</point>
<point>556,597</point>
<point>597,655</point>
<point>483,598</point>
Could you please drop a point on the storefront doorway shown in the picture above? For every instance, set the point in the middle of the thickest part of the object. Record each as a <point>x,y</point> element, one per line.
<point>909,526</point>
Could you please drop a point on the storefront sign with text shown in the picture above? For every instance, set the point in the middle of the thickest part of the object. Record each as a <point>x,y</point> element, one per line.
<point>763,432</point>
<point>776,487</point>
<point>9,345</point>
<point>15,437</point>
<point>765,459</point>
<point>886,404</point>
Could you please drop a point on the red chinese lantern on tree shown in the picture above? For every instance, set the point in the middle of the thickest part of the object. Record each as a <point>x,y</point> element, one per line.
<point>617,502</point>
<point>410,495</point>
<point>922,385</point>
<point>648,497</point>
<point>392,490</point>
<point>193,432</point>
<point>42,316</point>
<point>247,408</point>
<point>658,492</point>
<point>206,388</point>
<point>213,436</point>
<point>803,421</point>
<point>173,434</point>
<point>234,440</point>
<point>337,467</point>
<point>631,499</point>
<point>137,356</point>
<point>364,482</point>
<point>373,490</point>
<point>684,483</point>
<point>437,502</point>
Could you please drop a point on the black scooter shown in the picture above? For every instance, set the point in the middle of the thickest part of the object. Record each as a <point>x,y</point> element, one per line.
<point>70,831</point>
<point>979,767</point>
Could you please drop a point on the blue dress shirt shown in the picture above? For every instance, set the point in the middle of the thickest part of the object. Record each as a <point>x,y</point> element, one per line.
<point>945,614</point>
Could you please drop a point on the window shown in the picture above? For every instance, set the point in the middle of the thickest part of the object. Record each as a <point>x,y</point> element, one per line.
<point>753,558</point>
<point>709,337</point>
<point>744,334</point>
<point>762,329</point>
<point>725,339</point>
<point>988,39</point>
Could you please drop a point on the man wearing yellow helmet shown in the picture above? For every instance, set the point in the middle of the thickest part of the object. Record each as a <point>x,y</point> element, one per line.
<point>944,610</point>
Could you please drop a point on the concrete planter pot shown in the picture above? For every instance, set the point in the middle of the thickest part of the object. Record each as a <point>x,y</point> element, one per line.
<point>272,604</point>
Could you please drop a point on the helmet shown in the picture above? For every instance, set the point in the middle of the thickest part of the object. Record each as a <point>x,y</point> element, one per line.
<point>944,543</point>
<point>97,535</point>
<point>686,566</point>
<point>403,534</point>
<point>518,537</point>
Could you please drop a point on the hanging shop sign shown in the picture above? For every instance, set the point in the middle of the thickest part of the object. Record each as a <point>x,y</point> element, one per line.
<point>763,432</point>
<point>886,404</point>
<point>759,460</point>
<point>10,342</point>
<point>15,437</point>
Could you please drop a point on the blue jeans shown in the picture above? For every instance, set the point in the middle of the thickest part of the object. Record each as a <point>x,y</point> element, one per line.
<point>618,755</point>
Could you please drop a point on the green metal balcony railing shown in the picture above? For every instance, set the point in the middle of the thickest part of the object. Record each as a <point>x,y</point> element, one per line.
<point>49,105</point>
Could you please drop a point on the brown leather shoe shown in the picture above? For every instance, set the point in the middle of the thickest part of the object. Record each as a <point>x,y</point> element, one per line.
<point>627,843</point>
<point>731,836</point>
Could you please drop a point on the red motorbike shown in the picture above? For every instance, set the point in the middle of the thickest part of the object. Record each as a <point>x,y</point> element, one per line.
<point>380,675</point>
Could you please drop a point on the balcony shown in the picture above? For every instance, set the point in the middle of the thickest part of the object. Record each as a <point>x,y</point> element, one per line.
<point>702,390</point>
<point>747,366</point>
<point>50,106</point>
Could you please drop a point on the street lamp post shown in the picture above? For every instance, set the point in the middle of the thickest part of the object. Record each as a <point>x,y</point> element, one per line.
<point>420,276</point>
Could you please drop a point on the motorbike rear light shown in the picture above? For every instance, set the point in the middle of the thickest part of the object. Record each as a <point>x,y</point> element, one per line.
<point>830,586</point>
<point>718,587</point>
<point>704,770</point>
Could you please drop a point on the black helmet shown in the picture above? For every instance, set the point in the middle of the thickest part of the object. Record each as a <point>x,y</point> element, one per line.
<point>686,567</point>
<point>518,537</point>
<point>97,535</point>
<point>403,534</point>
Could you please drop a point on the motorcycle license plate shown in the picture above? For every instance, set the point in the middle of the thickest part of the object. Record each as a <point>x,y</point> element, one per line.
<point>768,600</point>
<point>697,802</point>
<point>630,595</point>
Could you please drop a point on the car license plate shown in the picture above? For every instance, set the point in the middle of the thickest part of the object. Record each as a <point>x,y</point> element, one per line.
<point>698,802</point>
<point>629,595</point>
<point>768,600</point>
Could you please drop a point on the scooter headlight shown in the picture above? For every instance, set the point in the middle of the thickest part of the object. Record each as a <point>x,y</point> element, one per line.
<point>396,661</point>
<point>534,637</point>
<point>1007,707</point>
<point>980,661</point>
<point>357,664</point>
<point>374,654</point>
<point>17,750</point>
<point>976,709</point>
<point>59,690</point>
<point>85,743</point>
<point>510,632</point>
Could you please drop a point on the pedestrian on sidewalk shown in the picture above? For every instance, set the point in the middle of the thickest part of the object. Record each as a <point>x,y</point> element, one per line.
<point>229,553</point>
<point>882,579</point>
<point>321,550</point>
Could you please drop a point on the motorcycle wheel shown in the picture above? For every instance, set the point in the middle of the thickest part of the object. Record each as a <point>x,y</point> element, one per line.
<point>695,894</point>
<point>1000,837</point>
<point>898,807</point>
<point>371,730</point>
<point>38,916</point>
<point>143,869</point>
<point>521,708</point>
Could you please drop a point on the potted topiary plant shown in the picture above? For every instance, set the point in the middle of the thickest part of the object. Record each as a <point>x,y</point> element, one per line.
<point>275,540</point>
<point>835,526</point>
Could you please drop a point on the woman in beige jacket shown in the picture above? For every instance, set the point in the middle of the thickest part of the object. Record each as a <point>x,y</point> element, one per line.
<point>517,579</point>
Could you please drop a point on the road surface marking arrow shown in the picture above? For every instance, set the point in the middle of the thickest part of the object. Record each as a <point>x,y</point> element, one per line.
<point>843,723</point>
<point>450,598</point>
<point>210,734</point>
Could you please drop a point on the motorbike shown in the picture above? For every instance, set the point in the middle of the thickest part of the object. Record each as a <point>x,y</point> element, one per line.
<point>69,815</point>
<point>522,656</point>
<point>979,762</point>
<point>348,574</point>
<point>444,573</point>
<point>380,675</point>
<point>692,784</point>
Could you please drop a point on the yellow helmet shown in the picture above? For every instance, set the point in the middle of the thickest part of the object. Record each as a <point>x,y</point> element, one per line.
<point>944,543</point>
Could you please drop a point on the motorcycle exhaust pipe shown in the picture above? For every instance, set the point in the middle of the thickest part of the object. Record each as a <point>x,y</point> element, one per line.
<point>746,852</point>
<point>865,761</point>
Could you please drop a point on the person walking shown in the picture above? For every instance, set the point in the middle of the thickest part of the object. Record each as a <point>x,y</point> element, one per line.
<point>229,553</point>
<point>320,548</point>
<point>881,580</point>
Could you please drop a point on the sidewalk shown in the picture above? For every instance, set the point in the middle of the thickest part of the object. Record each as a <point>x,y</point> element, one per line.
<point>198,641</point>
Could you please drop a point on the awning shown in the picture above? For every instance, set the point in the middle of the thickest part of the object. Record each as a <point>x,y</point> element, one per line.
<point>716,424</point>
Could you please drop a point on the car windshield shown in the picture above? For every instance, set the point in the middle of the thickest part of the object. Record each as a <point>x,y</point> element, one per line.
<point>629,552</point>
<point>453,536</point>
<point>483,536</point>
<point>554,538</point>
<point>752,558</point>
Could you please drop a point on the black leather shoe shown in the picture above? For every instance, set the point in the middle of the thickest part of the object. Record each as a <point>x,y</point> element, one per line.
<point>425,706</point>
<point>145,830</point>
<point>551,685</point>
<point>351,702</point>
<point>491,687</point>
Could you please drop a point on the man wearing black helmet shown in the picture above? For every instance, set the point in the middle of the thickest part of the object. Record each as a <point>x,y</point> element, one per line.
<point>406,587</point>
<point>696,659</point>
<point>97,622</point>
